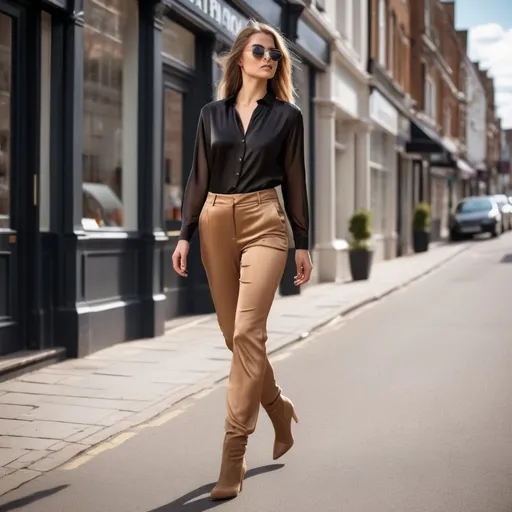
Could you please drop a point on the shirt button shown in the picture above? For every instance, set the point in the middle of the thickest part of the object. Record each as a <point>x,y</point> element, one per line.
<point>240,159</point>
<point>243,140</point>
<point>238,174</point>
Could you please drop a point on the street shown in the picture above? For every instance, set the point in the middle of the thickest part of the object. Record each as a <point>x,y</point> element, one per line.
<point>405,406</point>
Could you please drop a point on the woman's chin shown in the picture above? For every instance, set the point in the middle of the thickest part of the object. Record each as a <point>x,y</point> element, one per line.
<point>264,74</point>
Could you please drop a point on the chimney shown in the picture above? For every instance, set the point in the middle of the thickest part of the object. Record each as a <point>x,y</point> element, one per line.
<point>463,38</point>
<point>449,8</point>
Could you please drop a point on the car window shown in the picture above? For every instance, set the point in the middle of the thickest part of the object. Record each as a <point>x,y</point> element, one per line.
<point>476,204</point>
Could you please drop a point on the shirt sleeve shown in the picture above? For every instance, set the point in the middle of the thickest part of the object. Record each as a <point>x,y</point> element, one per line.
<point>197,183</point>
<point>294,183</point>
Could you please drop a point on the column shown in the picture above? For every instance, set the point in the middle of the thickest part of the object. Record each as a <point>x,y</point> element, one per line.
<point>67,94</point>
<point>362,154</point>
<point>345,180</point>
<point>325,192</point>
<point>391,196</point>
<point>152,236</point>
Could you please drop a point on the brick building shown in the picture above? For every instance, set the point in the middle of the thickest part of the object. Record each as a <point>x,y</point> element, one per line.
<point>493,135</point>
<point>390,112</point>
<point>438,86</point>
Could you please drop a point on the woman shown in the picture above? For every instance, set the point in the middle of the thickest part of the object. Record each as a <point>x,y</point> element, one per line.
<point>248,142</point>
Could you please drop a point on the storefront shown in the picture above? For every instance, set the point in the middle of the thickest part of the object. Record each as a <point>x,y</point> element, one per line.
<point>101,100</point>
<point>404,194</point>
<point>383,172</point>
<point>194,35</point>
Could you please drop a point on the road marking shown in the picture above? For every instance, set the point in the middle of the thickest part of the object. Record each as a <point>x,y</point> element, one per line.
<point>103,447</point>
<point>162,419</point>
<point>203,393</point>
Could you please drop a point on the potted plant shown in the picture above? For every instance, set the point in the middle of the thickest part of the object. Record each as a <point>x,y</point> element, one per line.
<point>360,254</point>
<point>421,227</point>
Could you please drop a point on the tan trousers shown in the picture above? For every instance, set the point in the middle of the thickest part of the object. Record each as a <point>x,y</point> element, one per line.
<point>244,247</point>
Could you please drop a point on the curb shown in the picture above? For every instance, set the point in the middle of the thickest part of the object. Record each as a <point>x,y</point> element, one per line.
<point>80,447</point>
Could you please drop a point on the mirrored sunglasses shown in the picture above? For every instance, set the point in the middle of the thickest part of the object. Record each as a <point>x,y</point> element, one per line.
<point>259,52</point>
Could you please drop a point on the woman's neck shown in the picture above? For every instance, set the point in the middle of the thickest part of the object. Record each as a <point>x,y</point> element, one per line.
<point>251,91</point>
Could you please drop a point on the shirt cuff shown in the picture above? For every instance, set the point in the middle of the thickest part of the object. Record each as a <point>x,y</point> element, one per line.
<point>187,231</point>
<point>301,242</point>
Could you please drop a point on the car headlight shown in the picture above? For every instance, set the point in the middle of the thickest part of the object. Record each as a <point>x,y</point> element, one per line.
<point>493,214</point>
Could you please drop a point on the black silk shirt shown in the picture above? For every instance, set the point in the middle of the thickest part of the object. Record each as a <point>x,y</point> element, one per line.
<point>227,161</point>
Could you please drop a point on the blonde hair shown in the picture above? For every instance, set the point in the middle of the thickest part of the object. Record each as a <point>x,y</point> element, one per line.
<point>281,84</point>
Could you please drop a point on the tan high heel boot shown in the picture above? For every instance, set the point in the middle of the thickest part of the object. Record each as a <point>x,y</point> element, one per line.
<point>281,413</point>
<point>233,467</point>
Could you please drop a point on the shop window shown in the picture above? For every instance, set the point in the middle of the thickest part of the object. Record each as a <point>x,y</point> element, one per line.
<point>5,119</point>
<point>378,181</point>
<point>44,160</point>
<point>173,155</point>
<point>110,114</point>
<point>179,44</point>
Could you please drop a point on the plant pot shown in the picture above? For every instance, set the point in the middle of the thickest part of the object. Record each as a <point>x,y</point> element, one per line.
<point>360,263</point>
<point>421,240</point>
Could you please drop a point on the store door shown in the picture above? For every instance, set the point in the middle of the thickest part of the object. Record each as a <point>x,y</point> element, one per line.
<point>177,137</point>
<point>11,338</point>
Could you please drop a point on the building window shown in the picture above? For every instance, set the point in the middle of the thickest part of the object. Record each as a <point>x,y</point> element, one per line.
<point>391,45</point>
<point>342,18</point>
<point>447,120</point>
<point>430,98</point>
<point>179,44</point>
<point>382,32</point>
<point>357,13</point>
<point>428,19</point>
<point>110,181</point>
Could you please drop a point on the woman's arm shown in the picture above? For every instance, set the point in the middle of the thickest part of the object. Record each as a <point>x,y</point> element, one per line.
<point>294,183</point>
<point>197,183</point>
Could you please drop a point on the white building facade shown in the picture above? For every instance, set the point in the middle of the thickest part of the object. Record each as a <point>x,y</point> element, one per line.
<point>476,125</point>
<point>342,137</point>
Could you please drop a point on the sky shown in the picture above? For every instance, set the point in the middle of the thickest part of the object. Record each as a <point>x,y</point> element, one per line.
<point>490,41</point>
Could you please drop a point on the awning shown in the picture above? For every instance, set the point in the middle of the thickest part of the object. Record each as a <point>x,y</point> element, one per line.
<point>466,171</point>
<point>423,139</point>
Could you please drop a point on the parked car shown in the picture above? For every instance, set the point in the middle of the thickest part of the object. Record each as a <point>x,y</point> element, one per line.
<point>475,215</point>
<point>506,211</point>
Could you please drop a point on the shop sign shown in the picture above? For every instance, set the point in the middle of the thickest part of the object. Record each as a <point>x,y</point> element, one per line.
<point>222,14</point>
<point>383,112</point>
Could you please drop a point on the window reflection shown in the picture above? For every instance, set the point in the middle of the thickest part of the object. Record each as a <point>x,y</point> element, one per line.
<point>104,40</point>
<point>179,43</point>
<point>5,118</point>
<point>173,154</point>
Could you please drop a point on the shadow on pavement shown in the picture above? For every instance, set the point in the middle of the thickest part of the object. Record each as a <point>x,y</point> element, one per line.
<point>31,498</point>
<point>185,503</point>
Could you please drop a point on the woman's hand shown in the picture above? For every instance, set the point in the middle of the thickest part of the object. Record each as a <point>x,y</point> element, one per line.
<point>304,266</point>
<point>179,258</point>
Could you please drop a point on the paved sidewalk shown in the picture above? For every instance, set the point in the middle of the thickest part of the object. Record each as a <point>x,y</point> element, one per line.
<point>51,415</point>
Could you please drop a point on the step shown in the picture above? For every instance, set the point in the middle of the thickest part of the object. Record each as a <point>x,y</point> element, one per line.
<point>26,361</point>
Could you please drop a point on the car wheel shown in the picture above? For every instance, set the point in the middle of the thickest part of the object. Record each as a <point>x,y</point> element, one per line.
<point>495,231</point>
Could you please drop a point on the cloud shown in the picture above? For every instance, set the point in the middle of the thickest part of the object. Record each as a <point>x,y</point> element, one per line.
<point>491,45</point>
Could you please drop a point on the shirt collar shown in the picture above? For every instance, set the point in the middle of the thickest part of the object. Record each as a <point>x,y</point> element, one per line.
<point>266,100</point>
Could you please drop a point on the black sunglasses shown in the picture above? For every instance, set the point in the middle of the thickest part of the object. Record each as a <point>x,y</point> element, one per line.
<point>259,52</point>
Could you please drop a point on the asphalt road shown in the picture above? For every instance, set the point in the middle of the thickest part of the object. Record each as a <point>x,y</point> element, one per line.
<point>406,407</point>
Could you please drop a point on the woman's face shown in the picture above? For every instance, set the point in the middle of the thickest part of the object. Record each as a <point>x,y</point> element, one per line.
<point>256,60</point>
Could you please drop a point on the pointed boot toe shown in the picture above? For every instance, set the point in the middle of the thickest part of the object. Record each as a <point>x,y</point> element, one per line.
<point>233,468</point>
<point>281,413</point>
